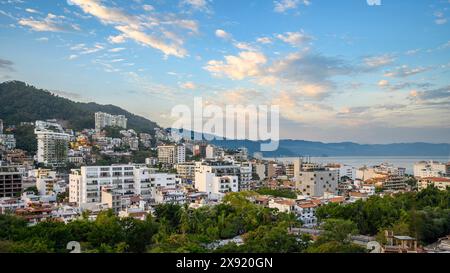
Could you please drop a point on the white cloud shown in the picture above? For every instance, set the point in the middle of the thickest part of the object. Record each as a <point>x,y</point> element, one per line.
<point>119,39</point>
<point>405,71</point>
<point>31,10</point>
<point>117,49</point>
<point>264,40</point>
<point>383,83</point>
<point>284,5</point>
<point>148,7</point>
<point>135,27</point>
<point>379,61</point>
<point>246,64</point>
<point>188,85</point>
<point>200,5</point>
<point>294,38</point>
<point>223,34</point>
<point>244,46</point>
<point>51,23</point>
<point>148,40</point>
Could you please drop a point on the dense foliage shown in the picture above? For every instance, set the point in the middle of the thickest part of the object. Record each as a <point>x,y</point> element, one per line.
<point>424,215</point>
<point>178,229</point>
<point>26,139</point>
<point>20,102</point>
<point>286,193</point>
<point>173,229</point>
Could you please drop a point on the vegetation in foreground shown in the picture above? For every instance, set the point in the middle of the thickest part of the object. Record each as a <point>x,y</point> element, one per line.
<point>425,215</point>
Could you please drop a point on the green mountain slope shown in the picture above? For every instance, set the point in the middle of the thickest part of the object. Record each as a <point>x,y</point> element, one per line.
<point>22,102</point>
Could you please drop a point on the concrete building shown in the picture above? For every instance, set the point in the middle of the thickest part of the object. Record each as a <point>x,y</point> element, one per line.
<point>343,170</point>
<point>289,169</point>
<point>245,176</point>
<point>10,182</point>
<point>424,169</point>
<point>217,178</point>
<point>52,144</point>
<point>103,120</point>
<point>86,183</point>
<point>438,182</point>
<point>315,180</point>
<point>8,141</point>
<point>186,170</point>
<point>1,126</point>
<point>164,195</point>
<point>260,169</point>
<point>112,198</point>
<point>172,154</point>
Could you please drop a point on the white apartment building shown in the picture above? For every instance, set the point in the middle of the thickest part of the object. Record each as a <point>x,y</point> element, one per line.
<point>165,195</point>
<point>306,212</point>
<point>86,183</point>
<point>430,169</point>
<point>217,178</point>
<point>8,141</point>
<point>172,154</point>
<point>344,171</point>
<point>52,143</point>
<point>245,176</point>
<point>103,120</point>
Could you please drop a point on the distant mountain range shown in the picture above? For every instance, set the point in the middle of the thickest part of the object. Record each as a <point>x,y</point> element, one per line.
<point>21,102</point>
<point>293,148</point>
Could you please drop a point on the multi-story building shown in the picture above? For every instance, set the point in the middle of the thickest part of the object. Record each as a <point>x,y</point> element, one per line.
<point>424,169</point>
<point>395,183</point>
<point>217,178</point>
<point>10,182</point>
<point>103,120</point>
<point>200,150</point>
<point>441,183</point>
<point>172,154</point>
<point>164,195</point>
<point>111,197</point>
<point>45,180</point>
<point>8,141</point>
<point>343,170</point>
<point>1,126</point>
<point>86,183</point>
<point>315,180</point>
<point>260,169</point>
<point>186,170</point>
<point>245,176</point>
<point>289,169</point>
<point>52,143</point>
<point>275,169</point>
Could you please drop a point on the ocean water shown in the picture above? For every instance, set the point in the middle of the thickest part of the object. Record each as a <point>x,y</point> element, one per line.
<point>360,161</point>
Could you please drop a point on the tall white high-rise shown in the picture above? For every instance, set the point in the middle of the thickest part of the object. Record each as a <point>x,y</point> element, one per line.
<point>52,143</point>
<point>103,120</point>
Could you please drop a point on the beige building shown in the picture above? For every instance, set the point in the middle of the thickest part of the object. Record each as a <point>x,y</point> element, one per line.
<point>439,182</point>
<point>186,170</point>
<point>172,154</point>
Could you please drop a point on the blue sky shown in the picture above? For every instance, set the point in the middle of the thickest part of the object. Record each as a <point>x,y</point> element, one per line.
<point>340,70</point>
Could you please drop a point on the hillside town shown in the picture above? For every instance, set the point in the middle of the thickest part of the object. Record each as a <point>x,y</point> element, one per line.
<point>113,167</point>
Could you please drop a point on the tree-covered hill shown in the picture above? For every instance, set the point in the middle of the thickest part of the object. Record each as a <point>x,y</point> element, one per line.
<point>20,102</point>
